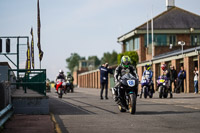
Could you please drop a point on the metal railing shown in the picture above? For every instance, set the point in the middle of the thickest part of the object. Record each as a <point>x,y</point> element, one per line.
<point>34,79</point>
<point>5,114</point>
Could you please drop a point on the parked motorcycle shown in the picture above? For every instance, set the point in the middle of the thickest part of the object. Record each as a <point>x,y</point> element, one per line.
<point>163,86</point>
<point>146,88</point>
<point>128,84</point>
<point>59,87</point>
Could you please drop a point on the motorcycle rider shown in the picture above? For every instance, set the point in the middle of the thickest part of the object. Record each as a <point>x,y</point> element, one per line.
<point>122,69</point>
<point>61,76</point>
<point>167,74</point>
<point>70,78</point>
<point>148,74</point>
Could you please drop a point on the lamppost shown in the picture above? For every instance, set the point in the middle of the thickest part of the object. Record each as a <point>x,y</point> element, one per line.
<point>182,43</point>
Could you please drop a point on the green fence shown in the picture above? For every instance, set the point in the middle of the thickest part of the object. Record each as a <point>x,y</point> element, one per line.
<point>34,79</point>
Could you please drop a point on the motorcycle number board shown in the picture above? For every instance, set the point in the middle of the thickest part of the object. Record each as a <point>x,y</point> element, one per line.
<point>131,83</point>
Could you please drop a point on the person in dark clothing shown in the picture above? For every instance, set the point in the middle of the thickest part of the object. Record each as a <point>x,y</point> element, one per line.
<point>181,77</point>
<point>104,71</point>
<point>173,76</point>
<point>166,73</point>
<point>122,69</point>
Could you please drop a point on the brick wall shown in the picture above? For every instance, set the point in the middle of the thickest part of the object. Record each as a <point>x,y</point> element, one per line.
<point>189,68</point>
<point>142,49</point>
<point>185,38</point>
<point>89,79</point>
<point>164,49</point>
<point>139,72</point>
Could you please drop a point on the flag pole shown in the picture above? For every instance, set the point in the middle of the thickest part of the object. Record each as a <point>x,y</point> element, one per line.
<point>147,32</point>
<point>152,33</point>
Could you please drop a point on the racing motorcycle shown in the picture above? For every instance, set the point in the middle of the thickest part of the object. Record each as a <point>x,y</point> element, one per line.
<point>59,87</point>
<point>69,85</point>
<point>162,84</point>
<point>146,87</point>
<point>129,85</point>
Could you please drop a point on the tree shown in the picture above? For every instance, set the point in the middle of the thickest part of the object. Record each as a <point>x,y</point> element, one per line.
<point>73,61</point>
<point>132,54</point>
<point>111,58</point>
<point>96,60</point>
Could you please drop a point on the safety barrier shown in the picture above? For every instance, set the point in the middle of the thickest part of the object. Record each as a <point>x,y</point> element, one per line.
<point>5,114</point>
<point>34,79</point>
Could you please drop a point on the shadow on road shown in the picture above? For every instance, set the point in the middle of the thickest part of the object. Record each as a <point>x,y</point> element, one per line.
<point>59,107</point>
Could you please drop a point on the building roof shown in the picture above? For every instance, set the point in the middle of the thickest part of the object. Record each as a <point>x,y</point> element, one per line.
<point>174,18</point>
<point>176,52</point>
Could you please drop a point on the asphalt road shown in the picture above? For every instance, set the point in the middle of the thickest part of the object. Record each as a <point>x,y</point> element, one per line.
<point>84,112</point>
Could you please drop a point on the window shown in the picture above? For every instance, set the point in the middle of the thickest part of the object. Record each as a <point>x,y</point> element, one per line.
<point>129,45</point>
<point>195,40</point>
<point>172,39</point>
<point>136,43</point>
<point>159,40</point>
<point>84,64</point>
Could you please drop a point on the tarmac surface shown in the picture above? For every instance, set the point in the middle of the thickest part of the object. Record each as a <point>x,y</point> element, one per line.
<point>84,112</point>
<point>29,124</point>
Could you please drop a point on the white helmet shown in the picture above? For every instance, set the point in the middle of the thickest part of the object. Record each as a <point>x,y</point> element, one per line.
<point>60,71</point>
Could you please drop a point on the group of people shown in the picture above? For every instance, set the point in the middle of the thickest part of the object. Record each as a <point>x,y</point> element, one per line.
<point>176,79</point>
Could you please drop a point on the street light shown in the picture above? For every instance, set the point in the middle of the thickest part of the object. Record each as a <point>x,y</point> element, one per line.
<point>182,43</point>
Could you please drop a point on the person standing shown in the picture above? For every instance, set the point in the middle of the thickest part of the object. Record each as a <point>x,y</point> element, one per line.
<point>173,76</point>
<point>104,71</point>
<point>181,77</point>
<point>196,74</point>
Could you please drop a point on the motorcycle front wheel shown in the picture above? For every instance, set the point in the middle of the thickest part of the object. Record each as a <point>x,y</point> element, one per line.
<point>145,91</point>
<point>160,91</point>
<point>132,103</point>
<point>60,93</point>
<point>121,109</point>
<point>165,93</point>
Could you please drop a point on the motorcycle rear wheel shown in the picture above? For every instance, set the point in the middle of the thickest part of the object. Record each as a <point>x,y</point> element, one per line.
<point>132,103</point>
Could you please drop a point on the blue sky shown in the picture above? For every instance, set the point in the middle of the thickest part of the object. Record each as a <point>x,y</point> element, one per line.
<point>87,27</point>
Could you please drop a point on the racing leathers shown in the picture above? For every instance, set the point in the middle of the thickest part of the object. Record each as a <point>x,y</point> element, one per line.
<point>70,79</point>
<point>63,78</point>
<point>148,74</point>
<point>167,74</point>
<point>119,72</point>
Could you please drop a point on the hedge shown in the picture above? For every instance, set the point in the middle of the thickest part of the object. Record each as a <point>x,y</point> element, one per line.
<point>132,54</point>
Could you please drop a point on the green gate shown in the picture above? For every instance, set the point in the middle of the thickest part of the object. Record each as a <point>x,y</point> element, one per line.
<point>34,79</point>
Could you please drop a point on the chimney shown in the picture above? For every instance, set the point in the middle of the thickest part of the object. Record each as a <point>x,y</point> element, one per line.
<point>170,4</point>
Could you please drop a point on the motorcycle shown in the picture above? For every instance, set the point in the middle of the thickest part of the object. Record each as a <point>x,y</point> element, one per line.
<point>163,85</point>
<point>146,88</point>
<point>60,88</point>
<point>128,84</point>
<point>69,85</point>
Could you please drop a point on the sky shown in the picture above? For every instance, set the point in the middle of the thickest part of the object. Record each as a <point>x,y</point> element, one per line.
<point>86,27</point>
